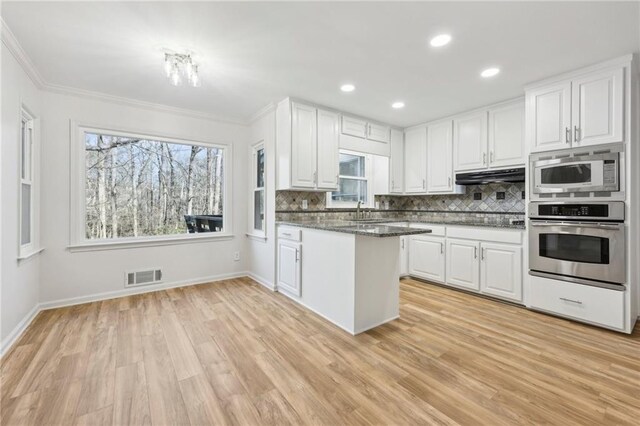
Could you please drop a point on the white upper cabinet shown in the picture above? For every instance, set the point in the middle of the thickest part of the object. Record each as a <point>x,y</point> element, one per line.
<point>304,142</point>
<point>378,132</point>
<point>440,157</point>
<point>415,160</point>
<point>328,143</point>
<point>354,126</point>
<point>506,135</point>
<point>549,114</point>
<point>586,108</point>
<point>501,270</point>
<point>396,184</point>
<point>470,141</point>
<point>366,130</point>
<point>598,104</point>
<point>307,141</point>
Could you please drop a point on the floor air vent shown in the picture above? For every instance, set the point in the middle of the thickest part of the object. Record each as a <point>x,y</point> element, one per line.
<point>145,277</point>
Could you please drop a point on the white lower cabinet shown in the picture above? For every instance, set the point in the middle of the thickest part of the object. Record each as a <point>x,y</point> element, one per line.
<point>289,260</point>
<point>463,269</point>
<point>427,258</point>
<point>404,256</point>
<point>501,270</point>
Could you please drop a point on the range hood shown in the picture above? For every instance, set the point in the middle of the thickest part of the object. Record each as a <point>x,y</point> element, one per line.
<point>491,176</point>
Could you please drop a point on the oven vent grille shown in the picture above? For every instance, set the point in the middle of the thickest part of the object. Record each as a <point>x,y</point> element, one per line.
<point>143,277</point>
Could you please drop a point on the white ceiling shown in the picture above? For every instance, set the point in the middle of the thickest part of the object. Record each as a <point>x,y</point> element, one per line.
<point>255,53</point>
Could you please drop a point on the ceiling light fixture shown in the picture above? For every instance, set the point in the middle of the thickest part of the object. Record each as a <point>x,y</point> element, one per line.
<point>397,105</point>
<point>440,40</point>
<point>178,66</point>
<point>490,72</point>
<point>347,88</point>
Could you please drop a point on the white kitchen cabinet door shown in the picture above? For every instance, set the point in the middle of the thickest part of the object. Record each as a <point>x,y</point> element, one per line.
<point>415,160</point>
<point>304,138</point>
<point>463,269</point>
<point>404,256</point>
<point>501,271</point>
<point>427,258</point>
<point>396,184</point>
<point>440,157</point>
<point>549,117</point>
<point>598,108</point>
<point>328,147</point>
<point>470,142</point>
<point>289,260</point>
<point>354,127</point>
<point>378,132</point>
<point>506,135</point>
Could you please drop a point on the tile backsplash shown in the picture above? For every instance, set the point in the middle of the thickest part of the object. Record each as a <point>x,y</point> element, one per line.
<point>490,200</point>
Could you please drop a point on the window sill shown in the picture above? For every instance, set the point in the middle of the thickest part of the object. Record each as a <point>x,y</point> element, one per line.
<point>30,254</point>
<point>257,237</point>
<point>147,242</point>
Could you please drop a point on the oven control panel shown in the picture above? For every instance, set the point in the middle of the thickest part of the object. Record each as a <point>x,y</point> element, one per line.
<point>605,210</point>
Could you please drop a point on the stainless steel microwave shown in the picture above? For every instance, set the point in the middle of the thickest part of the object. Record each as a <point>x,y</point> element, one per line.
<point>587,173</point>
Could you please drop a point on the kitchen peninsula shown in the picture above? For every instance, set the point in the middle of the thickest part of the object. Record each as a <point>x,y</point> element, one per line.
<point>346,272</point>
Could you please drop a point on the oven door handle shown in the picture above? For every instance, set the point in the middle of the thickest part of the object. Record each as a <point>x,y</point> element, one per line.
<point>578,225</point>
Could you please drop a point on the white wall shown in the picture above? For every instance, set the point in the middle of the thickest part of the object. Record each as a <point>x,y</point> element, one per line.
<point>81,275</point>
<point>19,280</point>
<point>261,252</point>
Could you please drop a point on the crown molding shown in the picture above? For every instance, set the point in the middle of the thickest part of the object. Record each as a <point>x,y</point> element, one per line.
<point>262,112</point>
<point>9,40</point>
<point>113,99</point>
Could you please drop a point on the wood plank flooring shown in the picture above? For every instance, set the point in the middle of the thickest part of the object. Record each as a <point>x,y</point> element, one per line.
<point>232,352</point>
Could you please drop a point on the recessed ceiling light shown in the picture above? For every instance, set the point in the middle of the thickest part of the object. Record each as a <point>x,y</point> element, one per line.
<point>397,105</point>
<point>440,40</point>
<point>347,87</point>
<point>490,72</point>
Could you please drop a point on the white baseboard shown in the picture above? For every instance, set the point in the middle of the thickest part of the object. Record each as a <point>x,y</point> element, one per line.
<point>137,290</point>
<point>18,330</point>
<point>261,280</point>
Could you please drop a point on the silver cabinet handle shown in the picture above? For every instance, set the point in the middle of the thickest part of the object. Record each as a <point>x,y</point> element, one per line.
<point>491,157</point>
<point>570,300</point>
<point>449,182</point>
<point>576,134</point>
<point>484,158</point>
<point>315,178</point>
<point>402,243</point>
<point>297,255</point>
<point>286,234</point>
<point>475,252</point>
<point>441,248</point>
<point>424,184</point>
<point>482,254</point>
<point>567,135</point>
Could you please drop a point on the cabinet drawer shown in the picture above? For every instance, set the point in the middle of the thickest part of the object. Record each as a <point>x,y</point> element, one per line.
<point>582,302</point>
<point>509,236</point>
<point>288,233</point>
<point>436,230</point>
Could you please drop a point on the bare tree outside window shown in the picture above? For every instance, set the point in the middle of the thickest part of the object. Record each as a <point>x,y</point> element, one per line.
<point>140,187</point>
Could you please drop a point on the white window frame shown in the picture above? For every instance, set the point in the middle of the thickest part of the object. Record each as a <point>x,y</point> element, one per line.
<point>253,188</point>
<point>78,240</point>
<point>368,177</point>
<point>31,248</point>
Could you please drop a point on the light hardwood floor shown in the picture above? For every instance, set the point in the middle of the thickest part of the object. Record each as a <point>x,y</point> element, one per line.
<point>234,353</point>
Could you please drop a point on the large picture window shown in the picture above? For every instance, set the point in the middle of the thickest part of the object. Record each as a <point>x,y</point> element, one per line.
<point>354,181</point>
<point>140,187</point>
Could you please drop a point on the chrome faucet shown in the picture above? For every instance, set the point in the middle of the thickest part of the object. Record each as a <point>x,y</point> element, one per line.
<point>358,210</point>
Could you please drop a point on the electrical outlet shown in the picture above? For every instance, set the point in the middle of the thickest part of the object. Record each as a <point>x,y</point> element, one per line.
<point>477,196</point>
<point>305,204</point>
<point>236,256</point>
<point>500,195</point>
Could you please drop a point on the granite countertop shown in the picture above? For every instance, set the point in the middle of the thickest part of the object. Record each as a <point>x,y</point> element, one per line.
<point>326,224</point>
<point>357,228</point>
